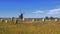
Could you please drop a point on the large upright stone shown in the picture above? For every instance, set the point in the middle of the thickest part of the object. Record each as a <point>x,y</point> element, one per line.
<point>6,21</point>
<point>13,19</point>
<point>49,19</point>
<point>1,20</point>
<point>16,20</point>
<point>32,20</point>
<point>43,19</point>
<point>55,19</point>
<point>23,19</point>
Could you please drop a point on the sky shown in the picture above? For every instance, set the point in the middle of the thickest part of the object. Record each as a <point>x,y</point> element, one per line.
<point>30,8</point>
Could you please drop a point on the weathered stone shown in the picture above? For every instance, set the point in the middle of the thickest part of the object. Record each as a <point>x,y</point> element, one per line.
<point>32,20</point>
<point>6,21</point>
<point>55,19</point>
<point>43,19</point>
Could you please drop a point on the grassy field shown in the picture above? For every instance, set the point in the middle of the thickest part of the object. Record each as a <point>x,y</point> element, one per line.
<point>30,28</point>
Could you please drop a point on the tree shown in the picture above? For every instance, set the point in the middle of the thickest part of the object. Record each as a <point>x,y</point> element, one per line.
<point>51,17</point>
<point>46,17</point>
<point>13,17</point>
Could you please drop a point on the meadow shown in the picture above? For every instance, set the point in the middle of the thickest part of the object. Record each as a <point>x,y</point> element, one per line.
<point>30,28</point>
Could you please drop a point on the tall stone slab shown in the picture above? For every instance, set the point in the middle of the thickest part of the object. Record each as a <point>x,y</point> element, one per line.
<point>56,20</point>
<point>6,21</point>
<point>43,19</point>
<point>32,20</point>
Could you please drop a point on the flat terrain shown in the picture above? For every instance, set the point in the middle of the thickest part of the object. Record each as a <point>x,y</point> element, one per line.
<point>30,28</point>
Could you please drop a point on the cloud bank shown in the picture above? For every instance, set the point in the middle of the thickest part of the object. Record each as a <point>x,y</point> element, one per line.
<point>38,12</point>
<point>54,11</point>
<point>51,12</point>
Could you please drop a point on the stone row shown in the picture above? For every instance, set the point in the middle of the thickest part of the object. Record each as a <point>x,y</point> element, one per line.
<point>23,20</point>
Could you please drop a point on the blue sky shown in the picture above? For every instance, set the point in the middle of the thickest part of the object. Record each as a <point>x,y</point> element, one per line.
<point>30,8</point>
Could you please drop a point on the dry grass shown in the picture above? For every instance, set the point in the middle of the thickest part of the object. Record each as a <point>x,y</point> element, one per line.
<point>30,28</point>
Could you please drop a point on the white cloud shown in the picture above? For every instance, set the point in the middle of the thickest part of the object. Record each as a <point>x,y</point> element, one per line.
<point>54,11</point>
<point>38,12</point>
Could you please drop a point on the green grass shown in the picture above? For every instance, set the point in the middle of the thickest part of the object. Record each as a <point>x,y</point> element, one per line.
<point>30,28</point>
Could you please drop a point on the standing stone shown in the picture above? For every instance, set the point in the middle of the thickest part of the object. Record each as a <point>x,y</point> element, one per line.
<point>49,20</point>
<point>23,19</point>
<point>16,20</point>
<point>6,21</point>
<point>32,20</point>
<point>13,19</point>
<point>1,20</point>
<point>43,19</point>
<point>55,19</point>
